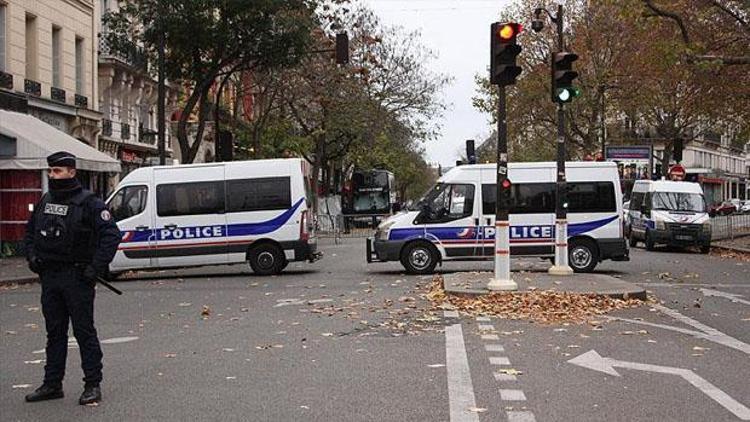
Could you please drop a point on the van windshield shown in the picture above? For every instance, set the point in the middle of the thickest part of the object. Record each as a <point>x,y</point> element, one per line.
<point>678,201</point>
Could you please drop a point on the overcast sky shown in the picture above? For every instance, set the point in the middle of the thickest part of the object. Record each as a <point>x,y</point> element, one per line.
<point>458,31</point>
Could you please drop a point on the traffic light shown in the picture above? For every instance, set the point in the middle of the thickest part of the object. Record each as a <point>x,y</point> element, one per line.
<point>342,48</point>
<point>471,155</point>
<point>503,53</point>
<point>563,74</point>
<point>505,186</point>
<point>678,147</point>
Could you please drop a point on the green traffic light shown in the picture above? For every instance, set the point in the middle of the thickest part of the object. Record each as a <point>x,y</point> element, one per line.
<point>565,95</point>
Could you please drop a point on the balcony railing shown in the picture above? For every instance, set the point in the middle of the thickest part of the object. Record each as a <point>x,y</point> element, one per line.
<point>106,127</point>
<point>123,50</point>
<point>81,101</point>
<point>57,94</point>
<point>6,80</point>
<point>32,87</point>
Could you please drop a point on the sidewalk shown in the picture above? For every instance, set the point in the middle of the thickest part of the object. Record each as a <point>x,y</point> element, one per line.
<point>15,270</point>
<point>475,283</point>
<point>739,244</point>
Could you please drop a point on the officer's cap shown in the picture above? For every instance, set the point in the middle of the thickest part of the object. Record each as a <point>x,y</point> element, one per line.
<point>61,159</point>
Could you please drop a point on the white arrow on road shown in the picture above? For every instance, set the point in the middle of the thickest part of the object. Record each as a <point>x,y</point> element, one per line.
<point>731,296</point>
<point>593,360</point>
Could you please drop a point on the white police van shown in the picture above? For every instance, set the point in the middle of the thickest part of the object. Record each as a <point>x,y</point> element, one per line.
<point>672,213</point>
<point>217,213</point>
<point>456,219</point>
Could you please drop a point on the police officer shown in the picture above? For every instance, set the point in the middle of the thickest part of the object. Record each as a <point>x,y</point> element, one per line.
<point>70,241</point>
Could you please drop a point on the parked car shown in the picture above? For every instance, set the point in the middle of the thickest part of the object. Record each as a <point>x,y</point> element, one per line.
<point>745,208</point>
<point>722,208</point>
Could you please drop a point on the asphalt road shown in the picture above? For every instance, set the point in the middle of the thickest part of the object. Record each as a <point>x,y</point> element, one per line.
<point>339,340</point>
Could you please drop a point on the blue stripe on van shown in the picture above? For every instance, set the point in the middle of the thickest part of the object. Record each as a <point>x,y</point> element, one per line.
<point>459,233</point>
<point>231,230</point>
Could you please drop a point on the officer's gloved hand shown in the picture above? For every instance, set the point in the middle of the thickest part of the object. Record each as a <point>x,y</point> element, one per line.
<point>90,274</point>
<point>35,264</point>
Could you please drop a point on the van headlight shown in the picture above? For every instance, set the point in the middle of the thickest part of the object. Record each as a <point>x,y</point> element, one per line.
<point>382,232</point>
<point>707,227</point>
<point>660,225</point>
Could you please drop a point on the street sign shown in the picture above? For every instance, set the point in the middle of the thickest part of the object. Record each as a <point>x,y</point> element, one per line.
<point>593,360</point>
<point>677,173</point>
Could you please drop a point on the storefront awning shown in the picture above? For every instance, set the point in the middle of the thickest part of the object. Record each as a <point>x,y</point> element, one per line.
<point>35,140</point>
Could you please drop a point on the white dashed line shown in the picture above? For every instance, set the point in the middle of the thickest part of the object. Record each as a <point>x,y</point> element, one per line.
<point>494,348</point>
<point>499,361</point>
<point>486,327</point>
<point>490,337</point>
<point>521,416</point>
<point>512,395</point>
<point>504,377</point>
<point>483,319</point>
<point>451,314</point>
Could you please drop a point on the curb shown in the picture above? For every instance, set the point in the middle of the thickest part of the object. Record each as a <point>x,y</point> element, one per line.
<point>19,280</point>
<point>731,248</point>
<point>637,294</point>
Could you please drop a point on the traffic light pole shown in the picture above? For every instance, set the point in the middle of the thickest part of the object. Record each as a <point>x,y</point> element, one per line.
<point>502,279</point>
<point>561,266</point>
<point>160,108</point>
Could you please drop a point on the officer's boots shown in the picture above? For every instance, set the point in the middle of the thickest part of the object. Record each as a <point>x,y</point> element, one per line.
<point>46,392</point>
<point>91,394</point>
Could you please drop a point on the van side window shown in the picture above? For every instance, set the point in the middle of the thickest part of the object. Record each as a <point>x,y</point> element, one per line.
<point>449,202</point>
<point>128,201</point>
<point>525,198</point>
<point>270,193</point>
<point>591,197</point>
<point>190,198</point>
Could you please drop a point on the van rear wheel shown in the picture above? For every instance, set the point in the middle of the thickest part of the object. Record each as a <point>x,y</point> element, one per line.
<point>583,256</point>
<point>267,259</point>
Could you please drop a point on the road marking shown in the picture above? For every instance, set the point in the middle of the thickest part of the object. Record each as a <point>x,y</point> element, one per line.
<point>512,395</point>
<point>451,314</point>
<point>460,388</point>
<point>494,348</point>
<point>117,340</point>
<point>648,284</point>
<point>499,376</point>
<point>483,319</point>
<point>731,296</point>
<point>520,416</point>
<point>593,360</point>
<point>490,337</point>
<point>499,361</point>
<point>486,327</point>
<point>706,333</point>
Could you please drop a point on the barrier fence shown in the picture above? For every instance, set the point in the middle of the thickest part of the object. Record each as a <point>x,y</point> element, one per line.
<point>730,226</point>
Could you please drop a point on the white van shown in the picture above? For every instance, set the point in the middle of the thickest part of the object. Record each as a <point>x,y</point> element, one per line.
<point>673,213</point>
<point>456,219</point>
<point>216,213</point>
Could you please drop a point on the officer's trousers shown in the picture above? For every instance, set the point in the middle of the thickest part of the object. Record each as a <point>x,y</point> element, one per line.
<point>66,296</point>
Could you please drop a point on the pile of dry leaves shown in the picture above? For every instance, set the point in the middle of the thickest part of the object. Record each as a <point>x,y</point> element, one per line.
<point>730,254</point>
<point>538,306</point>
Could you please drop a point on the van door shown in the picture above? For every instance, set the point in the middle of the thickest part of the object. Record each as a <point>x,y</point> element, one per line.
<point>453,220</point>
<point>130,209</point>
<point>190,218</point>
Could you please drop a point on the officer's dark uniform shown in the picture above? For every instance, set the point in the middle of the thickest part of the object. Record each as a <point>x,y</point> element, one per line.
<point>70,240</point>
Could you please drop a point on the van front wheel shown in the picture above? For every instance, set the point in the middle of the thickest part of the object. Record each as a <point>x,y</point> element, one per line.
<point>583,256</point>
<point>267,259</point>
<point>419,258</point>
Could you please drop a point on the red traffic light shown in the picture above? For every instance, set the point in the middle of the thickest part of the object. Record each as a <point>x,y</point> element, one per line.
<point>506,184</point>
<point>507,31</point>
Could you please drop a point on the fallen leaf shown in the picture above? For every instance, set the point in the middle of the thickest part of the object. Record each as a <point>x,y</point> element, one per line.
<point>627,333</point>
<point>206,311</point>
<point>184,304</point>
<point>35,361</point>
<point>700,349</point>
<point>231,378</point>
<point>509,371</point>
<point>170,355</point>
<point>477,409</point>
<point>21,386</point>
<point>227,349</point>
<point>436,365</point>
<point>326,334</point>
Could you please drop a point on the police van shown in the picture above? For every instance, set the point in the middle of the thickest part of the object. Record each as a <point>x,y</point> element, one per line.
<point>672,213</point>
<point>456,219</point>
<point>218,213</point>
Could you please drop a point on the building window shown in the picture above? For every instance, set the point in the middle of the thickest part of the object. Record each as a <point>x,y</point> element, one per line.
<point>56,56</point>
<point>31,48</point>
<point>2,37</point>
<point>79,66</point>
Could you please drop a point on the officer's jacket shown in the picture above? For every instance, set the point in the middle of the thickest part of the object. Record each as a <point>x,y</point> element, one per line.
<point>78,229</point>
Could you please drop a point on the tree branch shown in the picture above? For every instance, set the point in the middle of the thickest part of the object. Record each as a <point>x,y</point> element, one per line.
<point>669,15</point>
